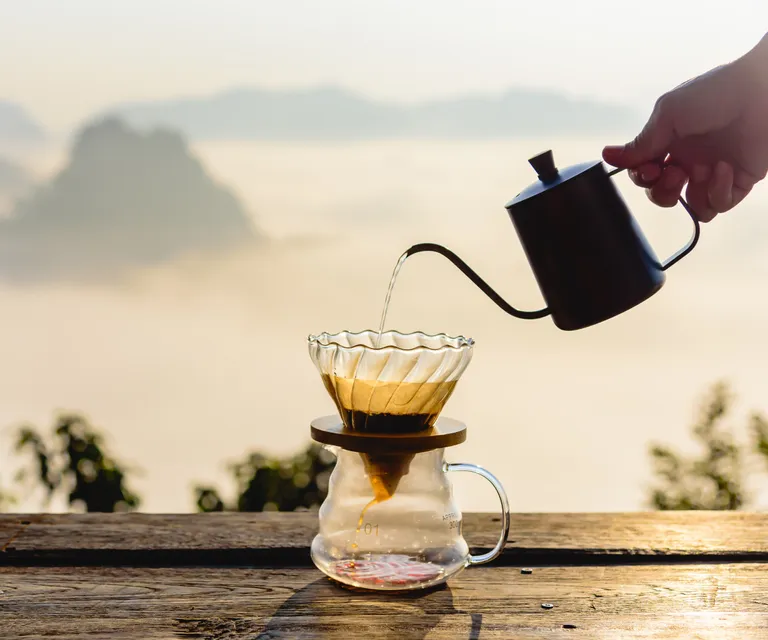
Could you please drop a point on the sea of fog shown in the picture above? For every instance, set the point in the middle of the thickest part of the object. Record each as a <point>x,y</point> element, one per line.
<point>190,366</point>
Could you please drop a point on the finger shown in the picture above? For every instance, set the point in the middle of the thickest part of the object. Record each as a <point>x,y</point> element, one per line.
<point>720,189</point>
<point>700,173</point>
<point>613,155</point>
<point>667,190</point>
<point>697,195</point>
<point>652,142</point>
<point>728,187</point>
<point>743,182</point>
<point>646,175</point>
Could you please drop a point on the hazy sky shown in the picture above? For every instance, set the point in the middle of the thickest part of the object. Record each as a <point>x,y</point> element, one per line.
<point>64,60</point>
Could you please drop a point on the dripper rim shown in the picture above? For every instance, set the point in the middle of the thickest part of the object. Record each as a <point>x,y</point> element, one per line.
<point>331,340</point>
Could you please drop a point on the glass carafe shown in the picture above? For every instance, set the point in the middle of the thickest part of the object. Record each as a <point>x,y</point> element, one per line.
<point>411,540</point>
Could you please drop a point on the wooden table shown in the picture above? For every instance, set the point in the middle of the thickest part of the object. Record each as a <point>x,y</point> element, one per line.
<point>237,576</point>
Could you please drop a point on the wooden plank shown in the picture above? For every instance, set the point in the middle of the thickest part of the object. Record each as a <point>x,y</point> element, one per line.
<point>10,529</point>
<point>721,601</point>
<point>283,538</point>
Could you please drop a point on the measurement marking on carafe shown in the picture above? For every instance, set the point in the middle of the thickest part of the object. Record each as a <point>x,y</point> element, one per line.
<point>454,521</point>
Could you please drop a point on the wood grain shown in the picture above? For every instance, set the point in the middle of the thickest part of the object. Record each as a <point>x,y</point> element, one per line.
<point>269,539</point>
<point>720,601</point>
<point>235,576</point>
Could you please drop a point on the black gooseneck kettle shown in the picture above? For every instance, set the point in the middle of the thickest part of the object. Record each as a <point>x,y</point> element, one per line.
<point>589,256</point>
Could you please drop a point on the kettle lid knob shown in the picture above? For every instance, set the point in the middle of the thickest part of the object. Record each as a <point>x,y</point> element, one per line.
<point>544,164</point>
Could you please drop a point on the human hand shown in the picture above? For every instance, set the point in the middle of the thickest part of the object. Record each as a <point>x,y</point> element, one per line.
<point>711,133</point>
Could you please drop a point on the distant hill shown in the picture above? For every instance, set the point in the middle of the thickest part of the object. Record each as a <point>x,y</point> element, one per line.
<point>334,114</point>
<point>12,177</point>
<point>125,199</point>
<point>16,126</point>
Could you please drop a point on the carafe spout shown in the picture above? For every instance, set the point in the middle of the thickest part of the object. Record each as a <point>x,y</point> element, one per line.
<point>478,281</point>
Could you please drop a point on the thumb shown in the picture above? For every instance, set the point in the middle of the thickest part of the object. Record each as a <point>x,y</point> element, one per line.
<point>651,144</point>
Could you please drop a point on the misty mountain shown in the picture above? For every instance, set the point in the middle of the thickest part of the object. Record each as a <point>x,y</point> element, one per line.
<point>17,126</point>
<point>13,178</point>
<point>334,114</point>
<point>125,199</point>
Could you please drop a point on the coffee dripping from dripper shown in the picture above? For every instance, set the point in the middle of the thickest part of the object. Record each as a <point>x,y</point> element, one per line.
<point>588,254</point>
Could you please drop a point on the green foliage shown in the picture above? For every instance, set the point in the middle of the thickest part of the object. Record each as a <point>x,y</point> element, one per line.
<point>298,482</point>
<point>715,480</point>
<point>7,500</point>
<point>73,460</point>
<point>208,500</point>
<point>760,434</point>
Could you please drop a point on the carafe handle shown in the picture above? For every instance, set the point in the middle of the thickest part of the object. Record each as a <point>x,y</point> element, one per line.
<point>679,255</point>
<point>473,468</point>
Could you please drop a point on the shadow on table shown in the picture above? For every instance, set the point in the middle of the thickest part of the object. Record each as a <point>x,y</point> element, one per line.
<point>323,610</point>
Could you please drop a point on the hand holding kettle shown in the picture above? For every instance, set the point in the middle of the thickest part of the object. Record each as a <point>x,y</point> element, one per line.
<point>586,250</point>
<point>711,133</point>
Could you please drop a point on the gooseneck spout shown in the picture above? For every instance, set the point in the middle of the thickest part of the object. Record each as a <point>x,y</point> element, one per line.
<point>478,281</point>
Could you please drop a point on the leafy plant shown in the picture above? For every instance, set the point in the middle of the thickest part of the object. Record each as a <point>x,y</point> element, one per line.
<point>7,500</point>
<point>715,479</point>
<point>299,482</point>
<point>73,460</point>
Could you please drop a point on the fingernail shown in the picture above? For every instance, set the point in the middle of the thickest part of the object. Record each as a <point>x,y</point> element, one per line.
<point>649,173</point>
<point>674,182</point>
<point>613,153</point>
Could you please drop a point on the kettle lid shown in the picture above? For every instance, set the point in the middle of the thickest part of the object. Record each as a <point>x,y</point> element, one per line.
<point>549,176</point>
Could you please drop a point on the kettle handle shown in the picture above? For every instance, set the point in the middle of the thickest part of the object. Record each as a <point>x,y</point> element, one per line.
<point>678,255</point>
<point>478,281</point>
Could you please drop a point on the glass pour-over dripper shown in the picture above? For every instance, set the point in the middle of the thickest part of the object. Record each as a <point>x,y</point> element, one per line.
<point>393,385</point>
